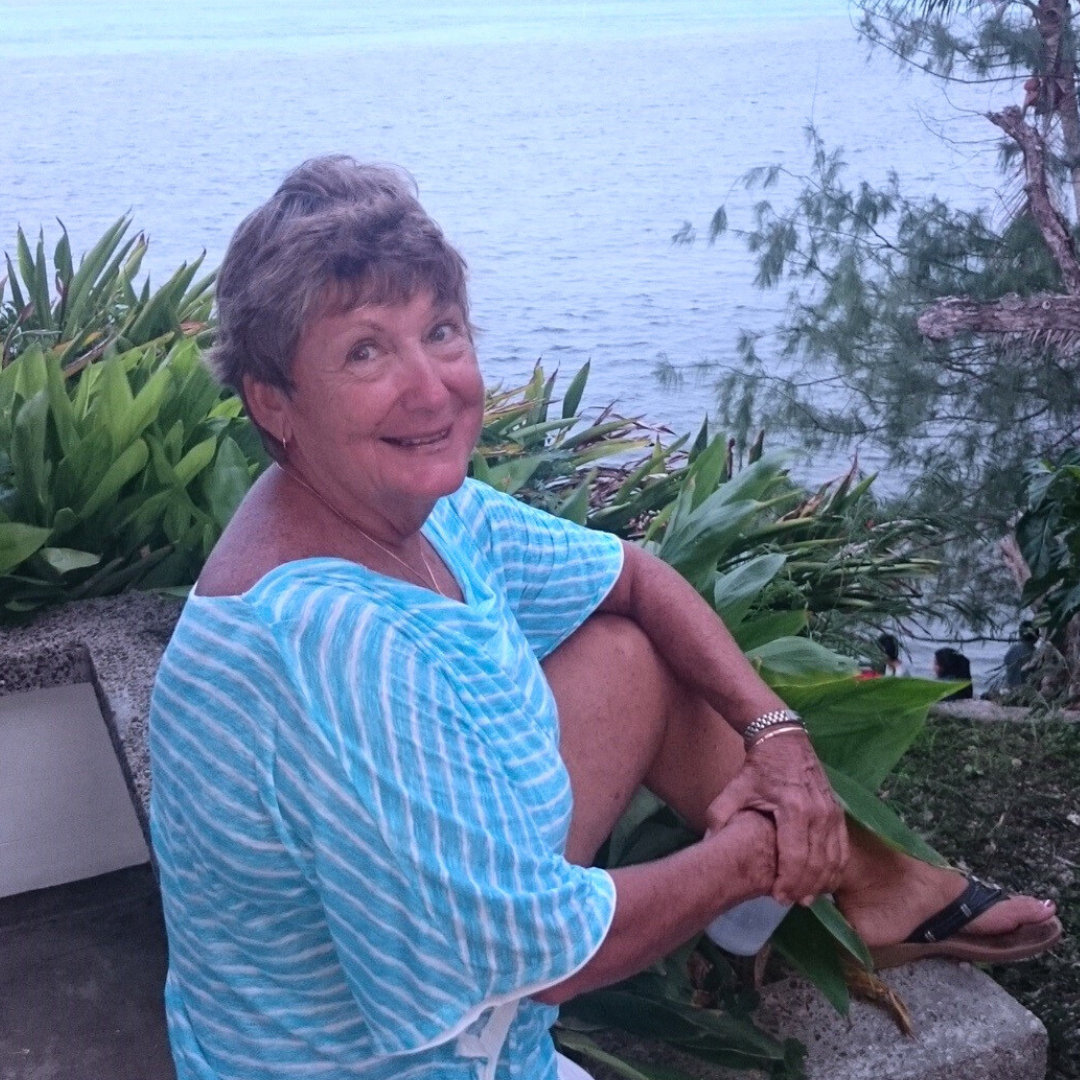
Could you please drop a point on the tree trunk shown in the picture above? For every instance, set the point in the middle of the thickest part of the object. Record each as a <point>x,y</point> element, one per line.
<point>1052,225</point>
<point>1053,18</point>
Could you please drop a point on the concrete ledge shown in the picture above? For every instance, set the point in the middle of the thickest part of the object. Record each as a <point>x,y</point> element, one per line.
<point>116,645</point>
<point>966,1028</point>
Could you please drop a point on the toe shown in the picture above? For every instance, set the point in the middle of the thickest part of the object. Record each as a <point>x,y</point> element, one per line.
<point>1010,914</point>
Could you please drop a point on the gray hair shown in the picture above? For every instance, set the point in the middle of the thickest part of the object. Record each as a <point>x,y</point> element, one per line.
<point>335,235</point>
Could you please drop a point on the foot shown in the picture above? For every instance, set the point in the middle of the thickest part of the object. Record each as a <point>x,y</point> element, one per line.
<point>885,906</point>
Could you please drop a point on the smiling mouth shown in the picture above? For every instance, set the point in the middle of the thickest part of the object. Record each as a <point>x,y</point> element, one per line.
<point>420,440</point>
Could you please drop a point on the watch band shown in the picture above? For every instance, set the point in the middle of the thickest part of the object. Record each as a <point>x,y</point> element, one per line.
<point>773,718</point>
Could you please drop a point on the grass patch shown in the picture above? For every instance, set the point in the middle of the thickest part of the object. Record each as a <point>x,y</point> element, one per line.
<point>1003,800</point>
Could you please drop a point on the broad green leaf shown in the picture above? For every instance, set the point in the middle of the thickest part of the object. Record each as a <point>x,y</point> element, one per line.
<point>708,469</point>
<point>128,465</point>
<point>31,467</point>
<point>480,469</point>
<point>511,475</point>
<point>196,459</point>
<point>798,659</point>
<point>228,482</point>
<point>758,631</point>
<point>828,914</point>
<point>60,409</point>
<point>809,947</point>
<point>575,507</point>
<point>112,401</point>
<point>64,560</point>
<point>867,809</point>
<point>736,590</point>
<point>863,726</point>
<point>18,542</point>
<point>145,406</point>
<point>586,1047</point>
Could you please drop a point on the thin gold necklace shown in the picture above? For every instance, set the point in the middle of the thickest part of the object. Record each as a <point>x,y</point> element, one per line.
<point>366,535</point>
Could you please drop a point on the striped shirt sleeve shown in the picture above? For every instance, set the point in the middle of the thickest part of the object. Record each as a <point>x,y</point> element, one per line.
<point>555,572</point>
<point>441,896</point>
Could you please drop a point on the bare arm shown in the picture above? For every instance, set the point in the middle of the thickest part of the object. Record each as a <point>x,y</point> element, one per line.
<point>781,776</point>
<point>661,904</point>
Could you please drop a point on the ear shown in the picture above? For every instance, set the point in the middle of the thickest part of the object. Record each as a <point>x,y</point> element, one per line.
<point>268,406</point>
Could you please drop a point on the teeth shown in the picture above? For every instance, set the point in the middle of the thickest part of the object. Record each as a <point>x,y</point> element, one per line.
<point>423,440</point>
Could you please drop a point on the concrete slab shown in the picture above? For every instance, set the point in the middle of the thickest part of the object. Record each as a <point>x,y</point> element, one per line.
<point>116,645</point>
<point>966,1028</point>
<point>82,968</point>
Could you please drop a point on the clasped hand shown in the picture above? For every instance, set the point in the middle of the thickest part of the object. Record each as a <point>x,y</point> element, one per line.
<point>782,777</point>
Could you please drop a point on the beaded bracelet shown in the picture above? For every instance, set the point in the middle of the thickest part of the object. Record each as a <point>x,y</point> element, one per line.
<point>773,718</point>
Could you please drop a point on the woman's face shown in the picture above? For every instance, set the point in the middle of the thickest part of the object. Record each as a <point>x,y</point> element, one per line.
<point>386,408</point>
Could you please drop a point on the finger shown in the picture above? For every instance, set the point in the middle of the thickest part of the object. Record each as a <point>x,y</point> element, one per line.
<point>792,855</point>
<point>817,825</point>
<point>738,795</point>
<point>843,853</point>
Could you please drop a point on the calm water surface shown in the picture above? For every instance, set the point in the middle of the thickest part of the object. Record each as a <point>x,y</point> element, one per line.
<point>560,144</point>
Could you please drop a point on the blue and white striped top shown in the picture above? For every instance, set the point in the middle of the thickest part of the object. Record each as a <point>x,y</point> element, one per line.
<point>359,809</point>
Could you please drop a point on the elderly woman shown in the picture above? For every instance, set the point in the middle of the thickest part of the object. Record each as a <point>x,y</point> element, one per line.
<point>401,711</point>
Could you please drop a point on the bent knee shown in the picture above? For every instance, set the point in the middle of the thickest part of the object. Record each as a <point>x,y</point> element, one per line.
<point>608,643</point>
<point>611,646</point>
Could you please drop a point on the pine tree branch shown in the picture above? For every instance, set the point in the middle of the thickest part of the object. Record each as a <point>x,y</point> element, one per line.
<point>1051,224</point>
<point>1049,314</point>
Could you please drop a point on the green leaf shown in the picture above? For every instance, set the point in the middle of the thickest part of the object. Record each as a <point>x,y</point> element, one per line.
<point>709,469</point>
<point>736,590</point>
<point>228,482</point>
<point>18,542</point>
<point>863,726</point>
<point>872,813</point>
<point>197,458</point>
<point>575,507</point>
<point>511,475</point>
<point>580,1043</point>
<point>28,461</point>
<point>64,560</point>
<point>799,660</point>
<point>810,948</point>
<point>60,409</point>
<point>756,632</point>
<point>573,394</point>
<point>128,465</point>
<point>828,914</point>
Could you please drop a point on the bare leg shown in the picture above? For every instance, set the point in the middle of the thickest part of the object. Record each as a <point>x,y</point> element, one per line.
<point>624,721</point>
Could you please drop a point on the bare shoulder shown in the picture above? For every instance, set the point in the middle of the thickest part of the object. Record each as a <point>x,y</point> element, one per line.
<point>251,546</point>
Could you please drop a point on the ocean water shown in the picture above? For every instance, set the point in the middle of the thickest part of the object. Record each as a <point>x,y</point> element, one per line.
<point>560,144</point>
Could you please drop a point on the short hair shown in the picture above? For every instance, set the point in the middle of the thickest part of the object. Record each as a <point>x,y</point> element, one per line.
<point>335,235</point>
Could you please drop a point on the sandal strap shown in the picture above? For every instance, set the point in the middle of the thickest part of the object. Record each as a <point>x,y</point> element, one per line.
<point>970,904</point>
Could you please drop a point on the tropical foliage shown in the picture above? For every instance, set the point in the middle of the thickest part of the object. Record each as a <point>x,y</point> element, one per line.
<point>96,309</point>
<point>1048,533</point>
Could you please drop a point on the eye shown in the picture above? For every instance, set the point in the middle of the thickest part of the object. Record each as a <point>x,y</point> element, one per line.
<point>363,352</point>
<point>445,331</point>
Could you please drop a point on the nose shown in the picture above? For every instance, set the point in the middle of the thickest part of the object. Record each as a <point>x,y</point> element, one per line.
<point>424,385</point>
